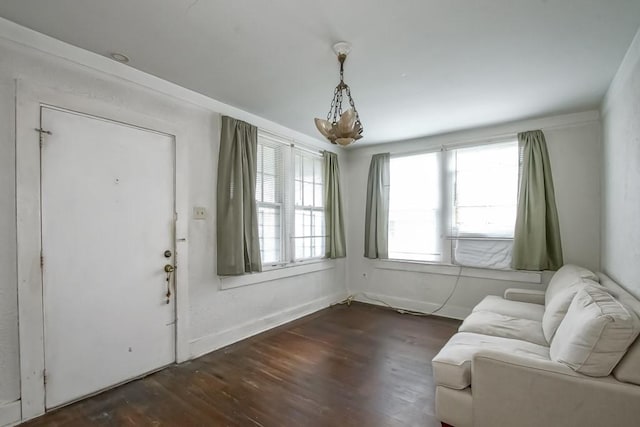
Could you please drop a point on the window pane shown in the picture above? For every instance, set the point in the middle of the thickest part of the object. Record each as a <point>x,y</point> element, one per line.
<point>318,246</point>
<point>309,222</point>
<point>307,169</point>
<point>269,189</point>
<point>259,187</point>
<point>269,232</point>
<point>260,158</point>
<point>414,208</point>
<point>269,196</point>
<point>317,175</point>
<point>318,223</point>
<point>270,160</point>
<point>318,196</point>
<point>486,190</point>
<point>307,199</point>
<point>307,247</point>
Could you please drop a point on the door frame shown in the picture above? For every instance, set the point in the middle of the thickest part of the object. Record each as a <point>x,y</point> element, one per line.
<point>29,99</point>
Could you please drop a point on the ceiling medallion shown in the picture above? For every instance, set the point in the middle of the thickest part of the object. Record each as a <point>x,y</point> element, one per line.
<point>341,127</point>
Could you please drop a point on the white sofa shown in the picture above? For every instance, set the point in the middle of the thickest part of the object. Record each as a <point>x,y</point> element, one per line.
<point>567,356</point>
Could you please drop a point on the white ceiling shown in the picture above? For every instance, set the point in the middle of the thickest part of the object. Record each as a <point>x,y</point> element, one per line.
<point>418,67</point>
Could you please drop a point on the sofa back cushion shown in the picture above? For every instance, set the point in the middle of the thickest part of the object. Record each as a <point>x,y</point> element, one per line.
<point>556,308</point>
<point>566,276</point>
<point>595,334</point>
<point>628,370</point>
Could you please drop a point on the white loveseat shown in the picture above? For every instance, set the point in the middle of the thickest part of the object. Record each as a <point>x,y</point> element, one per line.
<point>568,356</point>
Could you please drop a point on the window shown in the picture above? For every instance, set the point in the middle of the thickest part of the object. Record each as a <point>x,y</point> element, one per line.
<point>414,208</point>
<point>289,199</point>
<point>455,206</point>
<point>309,234</point>
<point>269,196</point>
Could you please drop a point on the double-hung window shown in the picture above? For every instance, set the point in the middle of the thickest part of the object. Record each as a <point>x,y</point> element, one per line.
<point>415,208</point>
<point>289,198</point>
<point>269,200</point>
<point>309,233</point>
<point>455,205</point>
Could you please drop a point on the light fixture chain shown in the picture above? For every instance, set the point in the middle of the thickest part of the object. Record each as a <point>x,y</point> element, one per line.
<point>353,105</point>
<point>331,115</point>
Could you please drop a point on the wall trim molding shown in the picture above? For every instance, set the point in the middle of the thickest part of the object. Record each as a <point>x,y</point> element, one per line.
<point>209,343</point>
<point>10,413</point>
<point>480,134</point>
<point>28,38</point>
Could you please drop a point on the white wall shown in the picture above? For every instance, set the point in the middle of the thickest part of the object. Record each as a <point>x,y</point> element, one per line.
<point>217,317</point>
<point>574,144</point>
<point>621,174</point>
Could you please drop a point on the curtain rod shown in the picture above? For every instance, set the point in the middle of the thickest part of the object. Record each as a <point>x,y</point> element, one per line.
<point>477,141</point>
<point>290,141</point>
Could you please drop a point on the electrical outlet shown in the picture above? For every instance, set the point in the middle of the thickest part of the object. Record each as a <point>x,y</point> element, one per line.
<point>199,212</point>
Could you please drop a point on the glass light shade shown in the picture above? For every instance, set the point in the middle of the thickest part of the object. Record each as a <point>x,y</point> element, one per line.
<point>344,131</point>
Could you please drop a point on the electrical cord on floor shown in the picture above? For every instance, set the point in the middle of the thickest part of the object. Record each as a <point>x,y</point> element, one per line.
<point>352,298</point>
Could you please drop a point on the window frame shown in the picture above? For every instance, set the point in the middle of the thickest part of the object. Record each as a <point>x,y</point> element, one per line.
<point>314,158</point>
<point>280,191</point>
<point>288,152</point>
<point>447,194</point>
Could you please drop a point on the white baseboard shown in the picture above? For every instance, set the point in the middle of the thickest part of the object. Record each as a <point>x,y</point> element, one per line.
<point>450,311</point>
<point>221,339</point>
<point>10,413</point>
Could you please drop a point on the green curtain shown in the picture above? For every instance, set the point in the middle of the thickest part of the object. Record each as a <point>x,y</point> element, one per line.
<point>376,222</point>
<point>237,219</point>
<point>335,246</point>
<point>536,244</point>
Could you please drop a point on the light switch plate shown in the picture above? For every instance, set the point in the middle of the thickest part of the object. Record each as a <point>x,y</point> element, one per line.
<point>199,212</point>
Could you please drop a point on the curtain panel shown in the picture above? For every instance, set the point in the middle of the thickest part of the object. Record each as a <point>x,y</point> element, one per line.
<point>335,246</point>
<point>376,222</point>
<point>536,244</point>
<point>238,249</point>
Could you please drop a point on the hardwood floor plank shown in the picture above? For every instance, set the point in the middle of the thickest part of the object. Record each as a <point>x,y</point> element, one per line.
<point>343,366</point>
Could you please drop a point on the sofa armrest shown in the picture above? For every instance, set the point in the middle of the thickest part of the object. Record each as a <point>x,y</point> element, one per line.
<point>510,390</point>
<point>525,295</point>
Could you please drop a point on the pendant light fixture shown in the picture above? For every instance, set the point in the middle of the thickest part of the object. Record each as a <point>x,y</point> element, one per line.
<point>341,126</point>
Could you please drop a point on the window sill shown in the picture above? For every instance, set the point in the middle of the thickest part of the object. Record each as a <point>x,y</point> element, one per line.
<point>453,270</point>
<point>275,273</point>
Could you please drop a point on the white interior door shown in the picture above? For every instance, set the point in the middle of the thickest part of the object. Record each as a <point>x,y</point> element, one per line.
<point>108,203</point>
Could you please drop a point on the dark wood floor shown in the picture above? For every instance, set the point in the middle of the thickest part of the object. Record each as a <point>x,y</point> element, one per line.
<point>343,366</point>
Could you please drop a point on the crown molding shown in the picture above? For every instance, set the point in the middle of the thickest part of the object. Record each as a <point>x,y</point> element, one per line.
<point>30,39</point>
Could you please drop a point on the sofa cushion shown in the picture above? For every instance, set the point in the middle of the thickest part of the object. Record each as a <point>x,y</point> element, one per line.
<point>452,365</point>
<point>556,307</point>
<point>566,276</point>
<point>595,333</point>
<point>500,325</point>
<point>628,370</point>
<point>523,310</point>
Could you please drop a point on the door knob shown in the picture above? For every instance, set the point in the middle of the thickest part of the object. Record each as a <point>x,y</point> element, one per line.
<point>169,268</point>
